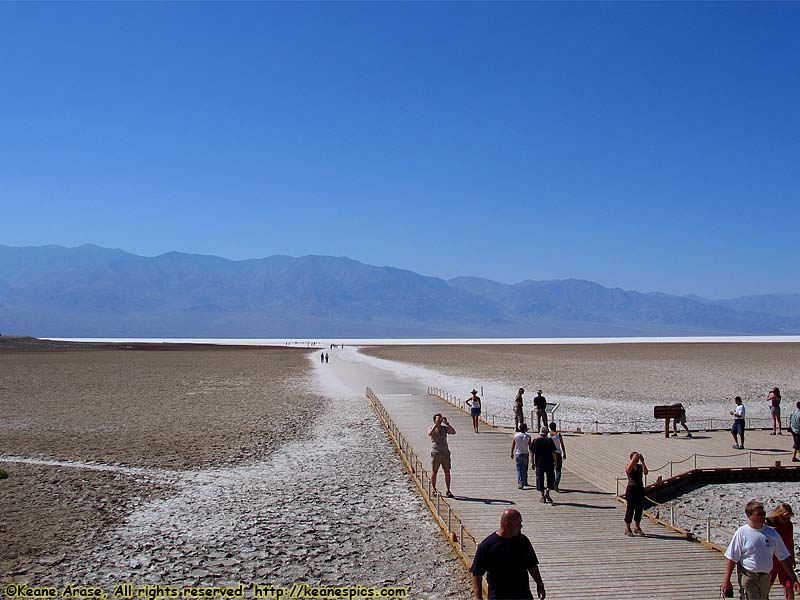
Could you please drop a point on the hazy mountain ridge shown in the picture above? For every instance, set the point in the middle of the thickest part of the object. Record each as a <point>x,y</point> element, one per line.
<point>91,291</point>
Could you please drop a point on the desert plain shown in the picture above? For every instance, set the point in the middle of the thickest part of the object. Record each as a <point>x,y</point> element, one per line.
<point>187,465</point>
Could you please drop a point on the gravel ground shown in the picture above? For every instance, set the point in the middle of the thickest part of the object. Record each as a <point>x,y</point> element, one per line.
<point>309,490</point>
<point>724,503</point>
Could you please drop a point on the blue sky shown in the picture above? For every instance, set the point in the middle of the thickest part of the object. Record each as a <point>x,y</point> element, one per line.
<point>643,145</point>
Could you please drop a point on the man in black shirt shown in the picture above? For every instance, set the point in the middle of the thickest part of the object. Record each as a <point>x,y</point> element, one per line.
<point>540,404</point>
<point>544,457</point>
<point>506,556</point>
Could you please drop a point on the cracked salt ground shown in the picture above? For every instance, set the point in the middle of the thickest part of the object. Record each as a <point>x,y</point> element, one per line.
<point>332,508</point>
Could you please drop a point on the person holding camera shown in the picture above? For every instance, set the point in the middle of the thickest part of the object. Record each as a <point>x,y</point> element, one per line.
<point>634,494</point>
<point>440,452</point>
<point>752,549</point>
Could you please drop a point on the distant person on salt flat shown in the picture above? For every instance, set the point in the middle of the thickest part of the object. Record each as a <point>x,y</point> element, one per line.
<point>544,457</point>
<point>520,453</point>
<point>561,453</point>
<point>752,549</point>
<point>326,358</point>
<point>474,402</point>
<point>737,428</point>
<point>780,519</point>
<point>322,357</point>
<point>440,451</point>
<point>794,425</point>
<point>519,411</point>
<point>506,557</point>
<point>540,404</point>
<point>681,418</point>
<point>774,399</point>
<point>634,494</point>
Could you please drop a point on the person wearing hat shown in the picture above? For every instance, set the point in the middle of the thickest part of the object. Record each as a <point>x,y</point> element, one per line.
<point>519,414</point>
<point>544,458</point>
<point>474,403</point>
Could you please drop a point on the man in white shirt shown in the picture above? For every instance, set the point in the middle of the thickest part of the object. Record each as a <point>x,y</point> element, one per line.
<point>751,550</point>
<point>520,452</point>
<point>738,414</point>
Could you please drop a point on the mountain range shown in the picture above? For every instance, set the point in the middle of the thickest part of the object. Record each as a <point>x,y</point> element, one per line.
<point>89,291</point>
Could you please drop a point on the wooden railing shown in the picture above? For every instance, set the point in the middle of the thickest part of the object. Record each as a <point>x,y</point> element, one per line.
<point>460,538</point>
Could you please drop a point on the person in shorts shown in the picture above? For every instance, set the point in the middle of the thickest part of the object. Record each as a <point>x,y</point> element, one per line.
<point>774,399</point>
<point>681,418</point>
<point>440,452</point>
<point>794,425</point>
<point>474,403</point>
<point>737,428</point>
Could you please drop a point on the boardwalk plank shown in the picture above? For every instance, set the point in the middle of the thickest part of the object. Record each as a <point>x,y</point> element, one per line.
<point>579,539</point>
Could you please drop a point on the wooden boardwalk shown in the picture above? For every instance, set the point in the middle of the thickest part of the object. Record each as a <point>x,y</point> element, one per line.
<point>579,539</point>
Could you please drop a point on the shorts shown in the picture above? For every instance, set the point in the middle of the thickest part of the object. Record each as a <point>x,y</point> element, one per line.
<point>795,440</point>
<point>681,420</point>
<point>775,411</point>
<point>475,411</point>
<point>541,474</point>
<point>440,459</point>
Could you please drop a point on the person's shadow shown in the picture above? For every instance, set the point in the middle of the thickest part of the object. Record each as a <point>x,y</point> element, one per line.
<point>488,501</point>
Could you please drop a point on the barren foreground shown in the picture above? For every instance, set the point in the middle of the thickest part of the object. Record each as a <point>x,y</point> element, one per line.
<point>202,466</point>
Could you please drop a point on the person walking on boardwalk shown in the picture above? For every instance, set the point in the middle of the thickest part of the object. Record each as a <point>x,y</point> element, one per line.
<point>519,411</point>
<point>540,404</point>
<point>520,452</point>
<point>561,453</point>
<point>681,418</point>
<point>774,399</point>
<point>634,493</point>
<point>474,403</point>
<point>440,452</point>
<point>752,549</point>
<point>506,557</point>
<point>544,457</point>
<point>794,425</point>
<point>737,428</point>
<point>780,520</point>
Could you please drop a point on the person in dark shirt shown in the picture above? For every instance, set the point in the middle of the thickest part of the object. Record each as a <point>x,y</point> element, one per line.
<point>540,404</point>
<point>634,493</point>
<point>506,557</point>
<point>544,457</point>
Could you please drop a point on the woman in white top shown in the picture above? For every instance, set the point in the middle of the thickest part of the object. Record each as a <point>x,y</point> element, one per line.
<point>738,423</point>
<point>561,452</point>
